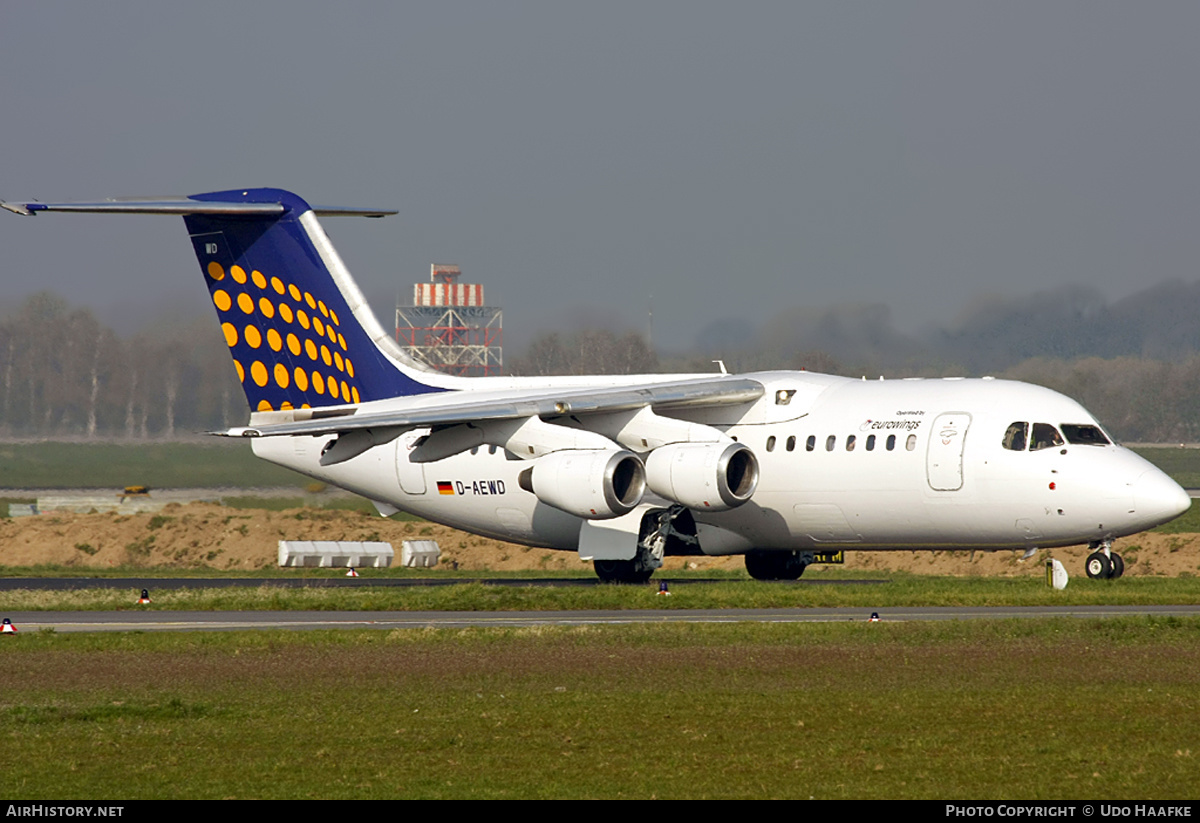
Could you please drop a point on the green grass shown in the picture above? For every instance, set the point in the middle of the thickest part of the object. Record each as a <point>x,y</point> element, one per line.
<point>221,463</point>
<point>716,593</point>
<point>1005,710</point>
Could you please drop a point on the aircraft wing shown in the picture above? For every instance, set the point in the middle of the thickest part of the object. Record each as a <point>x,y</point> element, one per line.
<point>450,408</point>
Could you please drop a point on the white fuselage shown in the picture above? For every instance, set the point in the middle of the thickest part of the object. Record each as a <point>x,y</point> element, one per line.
<point>883,464</point>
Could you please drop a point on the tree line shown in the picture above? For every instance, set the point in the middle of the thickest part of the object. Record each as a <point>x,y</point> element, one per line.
<point>63,373</point>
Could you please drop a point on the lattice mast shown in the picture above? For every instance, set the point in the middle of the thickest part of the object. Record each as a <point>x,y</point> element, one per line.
<point>449,327</point>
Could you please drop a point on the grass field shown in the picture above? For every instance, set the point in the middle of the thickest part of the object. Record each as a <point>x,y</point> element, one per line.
<point>1005,710</point>
<point>736,591</point>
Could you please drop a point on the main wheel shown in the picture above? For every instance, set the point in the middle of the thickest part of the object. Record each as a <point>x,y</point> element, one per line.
<point>1098,566</point>
<point>765,565</point>
<point>621,571</point>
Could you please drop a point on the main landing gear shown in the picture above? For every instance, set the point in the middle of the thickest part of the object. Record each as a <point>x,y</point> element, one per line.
<point>658,528</point>
<point>779,565</point>
<point>1102,563</point>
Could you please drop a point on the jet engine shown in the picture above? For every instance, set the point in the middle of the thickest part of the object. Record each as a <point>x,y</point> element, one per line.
<point>590,483</point>
<point>703,476</point>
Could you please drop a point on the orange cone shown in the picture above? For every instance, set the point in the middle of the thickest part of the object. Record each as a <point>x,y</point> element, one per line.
<point>145,598</point>
<point>352,572</point>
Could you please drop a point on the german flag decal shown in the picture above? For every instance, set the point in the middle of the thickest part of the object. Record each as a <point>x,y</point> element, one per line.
<point>445,487</point>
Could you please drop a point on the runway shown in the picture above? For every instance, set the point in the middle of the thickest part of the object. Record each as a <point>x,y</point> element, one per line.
<point>95,621</point>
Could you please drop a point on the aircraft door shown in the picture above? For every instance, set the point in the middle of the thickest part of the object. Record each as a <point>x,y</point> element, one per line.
<point>944,457</point>
<point>411,475</point>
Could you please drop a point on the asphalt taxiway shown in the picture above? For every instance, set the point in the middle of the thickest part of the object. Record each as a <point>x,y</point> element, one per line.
<point>96,621</point>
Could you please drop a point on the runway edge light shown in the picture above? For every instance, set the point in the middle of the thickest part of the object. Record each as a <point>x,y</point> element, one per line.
<point>145,598</point>
<point>7,627</point>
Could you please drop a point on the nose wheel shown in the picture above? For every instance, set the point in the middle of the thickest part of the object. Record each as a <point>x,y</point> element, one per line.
<point>1104,564</point>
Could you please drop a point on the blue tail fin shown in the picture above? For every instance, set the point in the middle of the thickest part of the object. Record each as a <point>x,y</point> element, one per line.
<point>298,328</point>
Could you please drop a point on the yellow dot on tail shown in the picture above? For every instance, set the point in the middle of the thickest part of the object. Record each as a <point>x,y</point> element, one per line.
<point>253,337</point>
<point>326,356</point>
<point>258,279</point>
<point>310,348</point>
<point>293,344</point>
<point>318,382</point>
<point>231,335</point>
<point>277,284</point>
<point>303,318</point>
<point>241,371</point>
<point>349,367</point>
<point>322,307</point>
<point>308,298</point>
<point>258,372</point>
<point>264,405</point>
<point>333,388</point>
<point>274,340</point>
<point>222,300</point>
<point>332,335</point>
<point>345,391</point>
<point>318,326</point>
<point>301,377</point>
<point>281,375</point>
<point>285,406</point>
<point>246,303</point>
<point>341,364</point>
<point>215,271</point>
<point>266,307</point>
<point>294,292</point>
<point>238,274</point>
<point>285,311</point>
<point>333,316</point>
<point>342,342</point>
<point>354,391</point>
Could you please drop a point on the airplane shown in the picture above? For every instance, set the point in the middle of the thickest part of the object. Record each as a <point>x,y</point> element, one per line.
<point>783,467</point>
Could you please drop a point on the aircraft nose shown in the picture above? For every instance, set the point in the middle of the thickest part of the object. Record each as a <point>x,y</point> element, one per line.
<point>1159,498</point>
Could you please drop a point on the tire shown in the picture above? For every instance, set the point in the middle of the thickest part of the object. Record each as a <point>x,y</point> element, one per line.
<point>765,565</point>
<point>620,571</point>
<point>1118,566</point>
<point>1098,566</point>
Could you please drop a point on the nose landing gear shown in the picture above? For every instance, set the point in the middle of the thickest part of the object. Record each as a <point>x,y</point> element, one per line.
<point>1102,563</point>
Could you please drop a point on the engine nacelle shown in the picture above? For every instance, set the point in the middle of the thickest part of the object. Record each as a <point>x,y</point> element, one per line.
<point>590,483</point>
<point>703,476</point>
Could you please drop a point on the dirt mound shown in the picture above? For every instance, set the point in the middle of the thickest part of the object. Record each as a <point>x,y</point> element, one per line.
<point>202,535</point>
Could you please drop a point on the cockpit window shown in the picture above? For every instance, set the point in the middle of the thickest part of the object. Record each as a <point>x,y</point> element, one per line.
<point>1045,436</point>
<point>1082,435</point>
<point>1016,436</point>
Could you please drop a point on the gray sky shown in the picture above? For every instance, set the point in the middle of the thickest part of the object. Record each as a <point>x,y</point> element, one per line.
<point>732,159</point>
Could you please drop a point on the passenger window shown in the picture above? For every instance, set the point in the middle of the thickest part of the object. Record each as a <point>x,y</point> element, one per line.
<point>1084,435</point>
<point>1014,437</point>
<point>1045,436</point>
<point>850,443</point>
<point>830,442</point>
<point>870,442</point>
<point>911,442</point>
<point>771,443</point>
<point>811,443</point>
<point>891,442</point>
<point>791,443</point>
